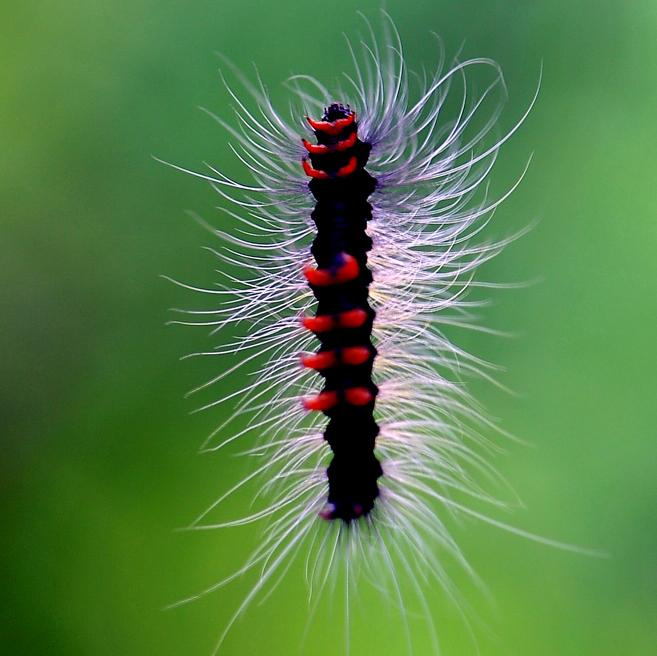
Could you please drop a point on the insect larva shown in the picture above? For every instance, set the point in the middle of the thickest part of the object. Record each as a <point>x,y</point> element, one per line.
<point>392,215</point>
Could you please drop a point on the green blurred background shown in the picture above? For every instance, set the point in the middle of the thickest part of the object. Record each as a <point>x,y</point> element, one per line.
<point>99,455</point>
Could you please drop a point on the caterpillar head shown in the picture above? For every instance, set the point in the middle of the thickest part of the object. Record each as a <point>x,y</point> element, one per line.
<point>336,111</point>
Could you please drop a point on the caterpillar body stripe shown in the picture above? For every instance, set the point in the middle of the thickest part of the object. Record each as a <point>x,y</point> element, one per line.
<point>387,191</point>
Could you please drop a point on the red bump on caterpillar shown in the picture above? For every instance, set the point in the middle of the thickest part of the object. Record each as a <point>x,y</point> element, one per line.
<point>353,318</point>
<point>322,402</point>
<point>351,355</point>
<point>331,127</point>
<point>338,147</point>
<point>319,361</point>
<point>345,271</point>
<point>312,172</point>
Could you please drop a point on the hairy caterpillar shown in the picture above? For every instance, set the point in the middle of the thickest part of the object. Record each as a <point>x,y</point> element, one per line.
<point>392,215</point>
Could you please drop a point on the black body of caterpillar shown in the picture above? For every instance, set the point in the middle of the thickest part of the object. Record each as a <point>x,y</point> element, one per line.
<point>343,321</point>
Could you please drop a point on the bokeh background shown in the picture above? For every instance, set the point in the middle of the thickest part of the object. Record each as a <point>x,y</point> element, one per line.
<point>99,454</point>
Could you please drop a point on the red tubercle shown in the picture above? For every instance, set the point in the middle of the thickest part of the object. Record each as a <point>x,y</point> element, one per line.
<point>320,324</point>
<point>324,322</point>
<point>339,147</point>
<point>315,149</point>
<point>313,172</point>
<point>331,127</point>
<point>355,355</point>
<point>347,143</point>
<point>352,356</point>
<point>348,168</point>
<point>352,318</point>
<point>322,402</point>
<point>321,360</point>
<point>358,396</point>
<point>348,270</point>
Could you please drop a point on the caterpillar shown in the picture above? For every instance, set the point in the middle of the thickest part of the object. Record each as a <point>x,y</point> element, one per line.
<point>344,319</point>
<point>361,231</point>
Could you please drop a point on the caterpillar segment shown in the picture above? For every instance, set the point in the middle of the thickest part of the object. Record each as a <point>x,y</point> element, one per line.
<point>352,355</point>
<point>343,321</point>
